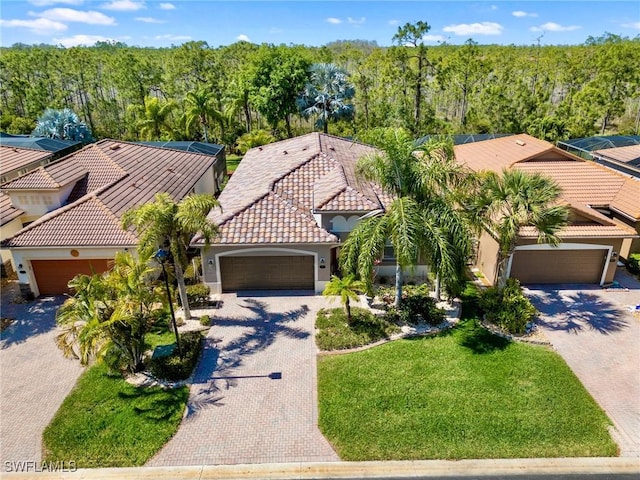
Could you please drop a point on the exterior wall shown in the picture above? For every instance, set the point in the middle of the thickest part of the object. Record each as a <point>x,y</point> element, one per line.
<point>8,230</point>
<point>631,245</point>
<point>321,253</point>
<point>487,261</point>
<point>36,203</point>
<point>207,183</point>
<point>23,256</point>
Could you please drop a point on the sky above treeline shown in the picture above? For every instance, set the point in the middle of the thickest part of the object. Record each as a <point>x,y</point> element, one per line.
<point>162,23</point>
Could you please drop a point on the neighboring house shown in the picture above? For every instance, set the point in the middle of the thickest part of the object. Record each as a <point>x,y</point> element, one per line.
<point>76,205</point>
<point>217,151</point>
<point>604,218</point>
<point>284,212</point>
<point>58,148</point>
<point>623,159</point>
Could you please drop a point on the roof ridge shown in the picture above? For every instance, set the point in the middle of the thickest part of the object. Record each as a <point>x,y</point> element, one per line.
<point>48,175</point>
<point>114,218</point>
<point>243,209</point>
<point>295,209</point>
<point>135,144</point>
<point>104,155</point>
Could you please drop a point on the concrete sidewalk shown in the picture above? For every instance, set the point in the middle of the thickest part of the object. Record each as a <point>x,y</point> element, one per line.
<point>542,468</point>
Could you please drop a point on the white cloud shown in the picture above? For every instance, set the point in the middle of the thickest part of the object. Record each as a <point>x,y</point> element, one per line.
<point>356,21</point>
<point>333,20</point>
<point>483,28</point>
<point>494,7</point>
<point>521,14</point>
<point>76,40</point>
<point>39,26</point>
<point>394,22</point>
<point>171,36</point>
<point>45,3</point>
<point>167,6</point>
<point>70,15</point>
<point>150,20</point>
<point>123,5</point>
<point>555,27</point>
<point>433,38</point>
<point>242,38</point>
<point>635,25</point>
<point>275,30</point>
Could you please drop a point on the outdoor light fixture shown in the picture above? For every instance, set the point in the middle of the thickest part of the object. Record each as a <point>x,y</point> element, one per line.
<point>161,256</point>
<point>322,265</point>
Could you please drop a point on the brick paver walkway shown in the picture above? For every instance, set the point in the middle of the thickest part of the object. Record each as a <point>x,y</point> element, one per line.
<point>253,399</point>
<point>599,339</point>
<point>34,377</point>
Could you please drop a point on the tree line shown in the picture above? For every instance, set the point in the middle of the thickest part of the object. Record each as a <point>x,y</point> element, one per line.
<point>198,92</point>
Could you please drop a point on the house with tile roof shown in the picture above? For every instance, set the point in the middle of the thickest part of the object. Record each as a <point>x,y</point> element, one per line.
<point>284,213</point>
<point>604,222</point>
<point>75,205</point>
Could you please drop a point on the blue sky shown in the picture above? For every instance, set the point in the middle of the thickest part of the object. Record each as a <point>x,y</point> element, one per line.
<point>161,23</point>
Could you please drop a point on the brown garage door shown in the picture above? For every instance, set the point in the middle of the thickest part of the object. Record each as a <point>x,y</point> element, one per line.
<point>52,276</point>
<point>558,266</point>
<point>267,273</point>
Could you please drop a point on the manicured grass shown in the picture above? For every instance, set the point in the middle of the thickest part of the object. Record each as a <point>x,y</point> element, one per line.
<point>106,422</point>
<point>334,333</point>
<point>232,162</point>
<point>462,394</point>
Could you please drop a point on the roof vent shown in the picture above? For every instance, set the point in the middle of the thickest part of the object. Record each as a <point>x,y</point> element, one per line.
<point>260,148</point>
<point>332,148</point>
<point>115,147</point>
<point>522,143</point>
<point>285,152</point>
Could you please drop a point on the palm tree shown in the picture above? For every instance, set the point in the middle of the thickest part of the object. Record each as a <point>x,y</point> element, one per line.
<point>164,222</point>
<point>201,109</point>
<point>109,315</point>
<point>155,118</point>
<point>422,222</point>
<point>347,288</point>
<point>327,95</point>
<point>62,124</point>
<point>515,199</point>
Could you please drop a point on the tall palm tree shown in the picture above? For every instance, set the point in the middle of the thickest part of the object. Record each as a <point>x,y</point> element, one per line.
<point>200,108</point>
<point>422,222</point>
<point>326,95</point>
<point>347,288</point>
<point>164,222</point>
<point>155,117</point>
<point>515,199</point>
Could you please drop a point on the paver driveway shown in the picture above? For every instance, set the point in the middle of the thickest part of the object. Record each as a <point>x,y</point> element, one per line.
<point>599,338</point>
<point>253,399</point>
<point>34,377</point>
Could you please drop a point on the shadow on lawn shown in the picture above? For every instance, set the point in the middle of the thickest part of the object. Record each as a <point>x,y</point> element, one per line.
<point>214,372</point>
<point>155,404</point>
<point>478,339</point>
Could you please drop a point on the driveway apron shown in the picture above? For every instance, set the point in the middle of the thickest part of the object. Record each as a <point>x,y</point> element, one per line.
<point>597,334</point>
<point>253,398</point>
<point>34,376</point>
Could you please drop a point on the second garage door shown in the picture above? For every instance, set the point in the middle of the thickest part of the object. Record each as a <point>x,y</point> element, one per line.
<point>558,266</point>
<point>52,276</point>
<point>267,273</point>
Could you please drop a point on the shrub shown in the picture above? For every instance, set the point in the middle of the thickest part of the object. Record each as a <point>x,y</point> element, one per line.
<point>508,308</point>
<point>205,320</point>
<point>416,306</point>
<point>197,295</point>
<point>334,333</point>
<point>172,367</point>
<point>633,263</point>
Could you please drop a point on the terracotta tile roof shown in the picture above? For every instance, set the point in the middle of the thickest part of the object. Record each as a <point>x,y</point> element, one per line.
<point>286,180</point>
<point>585,231</point>
<point>501,153</point>
<point>118,176</point>
<point>7,211</point>
<point>14,158</point>
<point>630,154</point>
<point>627,200</point>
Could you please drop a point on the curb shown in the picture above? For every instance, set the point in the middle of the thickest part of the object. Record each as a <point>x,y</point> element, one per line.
<point>350,470</point>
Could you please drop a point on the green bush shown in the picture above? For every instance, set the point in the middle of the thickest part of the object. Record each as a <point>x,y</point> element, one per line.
<point>205,320</point>
<point>335,333</point>
<point>416,305</point>
<point>508,308</point>
<point>197,295</point>
<point>172,367</point>
<point>633,263</point>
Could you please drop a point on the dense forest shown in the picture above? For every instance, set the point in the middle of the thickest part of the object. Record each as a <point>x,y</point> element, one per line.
<point>198,92</point>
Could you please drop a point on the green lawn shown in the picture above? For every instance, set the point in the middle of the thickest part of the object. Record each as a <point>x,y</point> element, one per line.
<point>462,394</point>
<point>106,422</point>
<point>232,162</point>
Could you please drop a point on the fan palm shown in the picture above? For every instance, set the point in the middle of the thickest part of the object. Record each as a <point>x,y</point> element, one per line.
<point>201,110</point>
<point>165,222</point>
<point>347,288</point>
<point>515,199</point>
<point>62,124</point>
<point>326,95</point>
